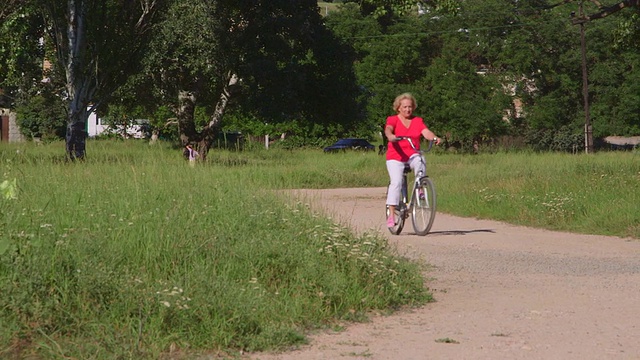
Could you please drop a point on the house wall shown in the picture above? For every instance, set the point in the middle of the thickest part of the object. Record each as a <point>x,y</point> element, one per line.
<point>12,134</point>
<point>95,126</point>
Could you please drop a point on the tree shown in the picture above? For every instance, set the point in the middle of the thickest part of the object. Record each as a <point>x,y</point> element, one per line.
<point>433,59</point>
<point>264,56</point>
<point>21,52</point>
<point>532,47</point>
<point>465,107</point>
<point>581,19</point>
<point>386,8</point>
<point>615,77</point>
<point>97,45</point>
<point>389,59</point>
<point>604,10</point>
<point>29,86</point>
<point>8,7</point>
<point>42,115</point>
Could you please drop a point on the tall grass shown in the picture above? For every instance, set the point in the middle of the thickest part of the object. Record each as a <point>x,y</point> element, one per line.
<point>134,254</point>
<point>592,194</point>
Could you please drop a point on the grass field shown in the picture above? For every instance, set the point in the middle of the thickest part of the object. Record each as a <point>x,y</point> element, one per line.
<point>591,194</point>
<point>133,253</point>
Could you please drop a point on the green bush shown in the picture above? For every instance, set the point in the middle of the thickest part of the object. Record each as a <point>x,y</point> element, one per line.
<point>564,139</point>
<point>42,117</point>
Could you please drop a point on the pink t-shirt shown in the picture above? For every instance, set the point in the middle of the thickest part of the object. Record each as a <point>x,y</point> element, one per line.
<point>402,150</point>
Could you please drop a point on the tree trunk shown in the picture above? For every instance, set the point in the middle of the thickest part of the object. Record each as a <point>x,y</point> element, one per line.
<point>79,87</point>
<point>76,129</point>
<point>186,108</point>
<point>185,112</point>
<point>211,130</point>
<point>186,124</point>
<point>76,136</point>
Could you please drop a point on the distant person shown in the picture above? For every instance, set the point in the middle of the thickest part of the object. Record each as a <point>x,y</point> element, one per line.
<point>400,153</point>
<point>191,154</point>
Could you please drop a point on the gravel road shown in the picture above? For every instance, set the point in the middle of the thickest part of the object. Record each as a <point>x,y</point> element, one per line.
<point>502,292</point>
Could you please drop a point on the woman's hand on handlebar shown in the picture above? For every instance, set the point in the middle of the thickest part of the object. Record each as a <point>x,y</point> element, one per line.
<point>397,138</point>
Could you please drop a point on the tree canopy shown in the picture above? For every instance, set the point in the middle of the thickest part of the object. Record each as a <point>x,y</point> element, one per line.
<point>275,62</point>
<point>93,46</point>
<point>480,69</point>
<point>487,68</point>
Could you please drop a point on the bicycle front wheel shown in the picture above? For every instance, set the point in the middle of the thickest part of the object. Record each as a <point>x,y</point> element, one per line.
<point>423,206</point>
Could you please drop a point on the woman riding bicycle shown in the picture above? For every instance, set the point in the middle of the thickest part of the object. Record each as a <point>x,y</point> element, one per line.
<point>400,153</point>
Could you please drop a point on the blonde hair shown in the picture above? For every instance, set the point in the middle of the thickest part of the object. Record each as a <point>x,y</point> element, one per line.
<point>399,98</point>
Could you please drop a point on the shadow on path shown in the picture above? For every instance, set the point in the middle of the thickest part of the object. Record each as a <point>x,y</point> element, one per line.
<point>461,232</point>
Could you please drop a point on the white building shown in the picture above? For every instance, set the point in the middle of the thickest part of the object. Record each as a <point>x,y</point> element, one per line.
<point>137,130</point>
<point>95,126</point>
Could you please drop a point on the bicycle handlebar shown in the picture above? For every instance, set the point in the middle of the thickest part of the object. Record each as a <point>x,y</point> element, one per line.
<point>398,138</point>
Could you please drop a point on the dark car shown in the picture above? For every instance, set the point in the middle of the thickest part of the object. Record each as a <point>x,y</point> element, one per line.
<point>353,144</point>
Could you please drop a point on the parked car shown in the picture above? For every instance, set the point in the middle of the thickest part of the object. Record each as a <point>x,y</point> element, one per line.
<point>352,144</point>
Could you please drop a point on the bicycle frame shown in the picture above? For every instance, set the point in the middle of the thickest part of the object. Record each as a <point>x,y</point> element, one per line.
<point>421,203</point>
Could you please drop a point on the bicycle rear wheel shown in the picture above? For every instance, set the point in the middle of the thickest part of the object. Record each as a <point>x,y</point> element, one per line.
<point>423,206</point>
<point>400,213</point>
<point>399,219</point>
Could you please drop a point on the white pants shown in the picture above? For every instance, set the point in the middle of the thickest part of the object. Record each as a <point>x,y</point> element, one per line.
<point>395,169</point>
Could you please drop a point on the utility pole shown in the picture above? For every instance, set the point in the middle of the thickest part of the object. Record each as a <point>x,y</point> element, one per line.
<point>588,131</point>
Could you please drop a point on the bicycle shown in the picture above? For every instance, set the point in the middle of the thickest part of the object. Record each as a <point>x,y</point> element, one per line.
<point>421,205</point>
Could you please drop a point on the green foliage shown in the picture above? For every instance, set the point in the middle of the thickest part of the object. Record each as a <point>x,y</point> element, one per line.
<point>626,34</point>
<point>465,106</point>
<point>616,109</point>
<point>311,83</point>
<point>336,76</point>
<point>563,139</point>
<point>188,46</point>
<point>8,189</point>
<point>163,122</point>
<point>292,134</point>
<point>404,57</point>
<point>42,116</point>
<point>109,48</point>
<point>119,119</point>
<point>388,8</point>
<point>21,54</point>
<point>528,51</point>
<point>278,51</point>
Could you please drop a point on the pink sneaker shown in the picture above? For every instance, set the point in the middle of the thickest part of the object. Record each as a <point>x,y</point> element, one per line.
<point>391,222</point>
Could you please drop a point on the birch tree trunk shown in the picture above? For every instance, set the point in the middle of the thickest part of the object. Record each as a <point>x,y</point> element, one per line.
<point>98,45</point>
<point>79,87</point>
<point>210,131</point>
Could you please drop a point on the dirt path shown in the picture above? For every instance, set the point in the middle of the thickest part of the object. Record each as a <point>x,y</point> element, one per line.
<point>502,292</point>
